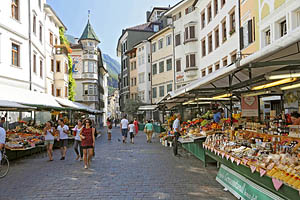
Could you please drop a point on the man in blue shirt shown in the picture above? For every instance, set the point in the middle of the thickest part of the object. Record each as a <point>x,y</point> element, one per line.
<point>218,115</point>
<point>2,122</point>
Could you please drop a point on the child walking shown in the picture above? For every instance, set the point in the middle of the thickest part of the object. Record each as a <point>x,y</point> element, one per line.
<point>131,129</point>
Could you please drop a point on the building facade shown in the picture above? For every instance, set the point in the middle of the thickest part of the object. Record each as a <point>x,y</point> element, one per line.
<point>162,63</point>
<point>133,88</point>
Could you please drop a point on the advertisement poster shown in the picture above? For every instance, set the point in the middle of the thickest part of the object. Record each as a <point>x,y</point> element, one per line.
<point>76,63</point>
<point>250,106</point>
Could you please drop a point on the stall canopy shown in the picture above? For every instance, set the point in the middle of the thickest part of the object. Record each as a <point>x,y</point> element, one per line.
<point>76,106</point>
<point>13,106</point>
<point>29,98</point>
<point>87,109</point>
<point>148,107</point>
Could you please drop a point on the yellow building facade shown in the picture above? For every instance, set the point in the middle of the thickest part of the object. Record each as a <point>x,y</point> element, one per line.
<point>133,74</point>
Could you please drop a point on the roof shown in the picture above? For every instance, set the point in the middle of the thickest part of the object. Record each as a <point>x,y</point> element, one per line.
<point>180,3</point>
<point>157,8</point>
<point>76,46</point>
<point>141,27</point>
<point>89,33</point>
<point>58,20</point>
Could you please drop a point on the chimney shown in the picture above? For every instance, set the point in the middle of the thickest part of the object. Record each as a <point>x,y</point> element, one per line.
<point>147,16</point>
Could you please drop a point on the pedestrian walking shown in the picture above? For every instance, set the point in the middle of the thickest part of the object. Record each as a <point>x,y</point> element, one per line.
<point>131,131</point>
<point>77,145</point>
<point>176,129</point>
<point>149,131</point>
<point>63,138</point>
<point>109,127</point>
<point>136,126</point>
<point>124,128</point>
<point>87,135</point>
<point>49,139</point>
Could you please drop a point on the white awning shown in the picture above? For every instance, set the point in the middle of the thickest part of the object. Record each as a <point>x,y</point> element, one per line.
<point>27,97</point>
<point>67,103</point>
<point>10,106</point>
<point>86,108</point>
<point>148,107</point>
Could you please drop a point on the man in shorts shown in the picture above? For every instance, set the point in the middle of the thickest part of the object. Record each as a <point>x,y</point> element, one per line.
<point>124,128</point>
<point>63,137</point>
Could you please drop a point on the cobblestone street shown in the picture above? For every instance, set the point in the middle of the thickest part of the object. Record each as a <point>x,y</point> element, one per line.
<point>118,171</point>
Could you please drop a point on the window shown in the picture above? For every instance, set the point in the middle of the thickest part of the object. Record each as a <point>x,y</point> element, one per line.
<point>209,15</point>
<point>155,28</point>
<point>268,37</point>
<point>168,40</point>
<point>233,57</point>
<point>189,10</point>
<point>142,77</point>
<point>154,69</point>
<point>52,65</point>
<point>15,59</point>
<point>161,91</point>
<point>224,31</point>
<point>189,33</point>
<point>217,66</point>
<point>161,67</point>
<point>66,68</point>
<point>203,72</point>
<point>149,76</point>
<point>169,64</point>
<point>160,43</point>
<point>34,24</point>
<point>58,92</point>
<point>203,19</point>
<point>52,89</point>
<point>169,88</point>
<point>135,81</point>
<point>90,89</point>
<point>154,92</point>
<point>56,41</point>
<point>283,28</point>
<point>298,18</point>
<point>203,48</point>
<point>57,66</point>
<point>51,38</point>
<point>210,70</point>
<point>223,3</point>
<point>154,47</point>
<point>66,91</point>
<point>210,45</point>
<point>15,9</point>
<point>89,66</point>
<point>232,23</point>
<point>247,33</point>
<point>41,68</point>
<point>177,40</point>
<point>131,81</point>
<point>41,33</point>
<point>216,7</point>
<point>190,60</point>
<point>217,38</point>
<point>34,63</point>
<point>225,62</point>
<point>178,65</point>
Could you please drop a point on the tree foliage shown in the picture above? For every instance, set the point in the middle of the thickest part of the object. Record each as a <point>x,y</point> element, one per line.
<point>131,106</point>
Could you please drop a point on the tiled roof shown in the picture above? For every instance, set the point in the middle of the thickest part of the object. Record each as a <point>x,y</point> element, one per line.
<point>142,27</point>
<point>89,33</point>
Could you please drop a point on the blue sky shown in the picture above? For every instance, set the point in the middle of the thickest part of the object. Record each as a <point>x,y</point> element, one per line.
<point>108,17</point>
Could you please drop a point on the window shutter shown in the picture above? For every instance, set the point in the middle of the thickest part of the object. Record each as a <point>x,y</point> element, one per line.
<point>242,37</point>
<point>250,38</point>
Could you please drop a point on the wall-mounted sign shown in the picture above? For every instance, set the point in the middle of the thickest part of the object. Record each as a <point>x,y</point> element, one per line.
<point>250,106</point>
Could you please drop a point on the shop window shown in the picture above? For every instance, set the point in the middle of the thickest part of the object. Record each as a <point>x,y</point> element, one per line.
<point>41,68</point>
<point>267,37</point>
<point>210,45</point>
<point>58,92</point>
<point>224,30</point>
<point>15,61</point>
<point>178,65</point>
<point>283,28</point>
<point>169,88</point>
<point>217,38</point>
<point>154,92</point>
<point>203,72</point>
<point>161,67</point>
<point>154,47</point>
<point>210,70</point>
<point>177,40</point>
<point>203,19</point>
<point>203,45</point>
<point>34,63</point>
<point>169,64</point>
<point>15,9</point>
<point>161,91</point>
<point>209,15</point>
<point>57,66</point>
<point>52,65</point>
<point>232,23</point>
<point>216,6</point>
<point>154,69</point>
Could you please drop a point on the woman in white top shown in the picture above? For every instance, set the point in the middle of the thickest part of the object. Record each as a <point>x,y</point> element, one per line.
<point>49,139</point>
<point>77,144</point>
<point>131,129</point>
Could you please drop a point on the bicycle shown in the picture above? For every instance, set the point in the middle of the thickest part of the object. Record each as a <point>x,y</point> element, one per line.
<point>4,165</point>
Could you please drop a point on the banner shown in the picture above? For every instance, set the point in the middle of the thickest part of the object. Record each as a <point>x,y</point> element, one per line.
<point>250,106</point>
<point>241,187</point>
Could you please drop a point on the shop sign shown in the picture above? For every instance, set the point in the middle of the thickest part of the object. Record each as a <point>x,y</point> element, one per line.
<point>241,187</point>
<point>250,106</point>
<point>179,77</point>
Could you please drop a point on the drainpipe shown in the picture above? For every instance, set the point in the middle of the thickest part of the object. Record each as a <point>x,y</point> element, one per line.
<point>240,36</point>
<point>174,61</point>
<point>29,33</point>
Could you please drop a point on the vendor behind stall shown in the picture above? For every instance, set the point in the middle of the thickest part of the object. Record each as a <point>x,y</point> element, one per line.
<point>218,115</point>
<point>295,116</point>
<point>2,121</point>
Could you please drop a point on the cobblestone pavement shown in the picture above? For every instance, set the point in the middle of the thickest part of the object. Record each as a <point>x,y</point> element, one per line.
<point>119,171</point>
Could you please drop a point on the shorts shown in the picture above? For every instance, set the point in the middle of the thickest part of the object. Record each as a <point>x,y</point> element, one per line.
<point>63,142</point>
<point>131,135</point>
<point>49,142</point>
<point>124,132</point>
<point>87,147</point>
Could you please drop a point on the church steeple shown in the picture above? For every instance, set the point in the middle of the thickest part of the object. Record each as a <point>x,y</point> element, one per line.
<point>89,33</point>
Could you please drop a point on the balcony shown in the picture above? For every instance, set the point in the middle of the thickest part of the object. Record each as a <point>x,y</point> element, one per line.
<point>190,40</point>
<point>191,71</point>
<point>90,98</point>
<point>89,76</point>
<point>90,57</point>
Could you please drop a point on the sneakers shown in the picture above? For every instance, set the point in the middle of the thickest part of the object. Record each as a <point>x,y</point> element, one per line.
<point>85,167</point>
<point>62,158</point>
